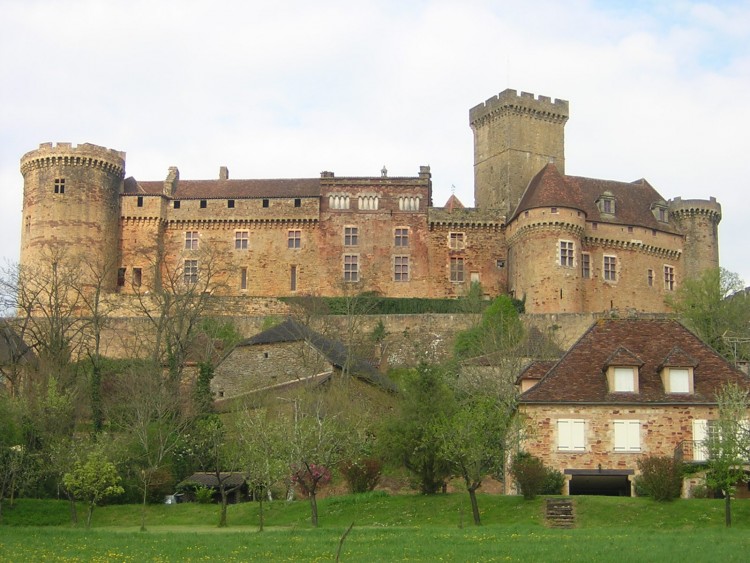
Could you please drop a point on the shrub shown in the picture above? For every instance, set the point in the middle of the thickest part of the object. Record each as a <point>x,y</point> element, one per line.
<point>204,495</point>
<point>554,481</point>
<point>529,473</point>
<point>308,480</point>
<point>361,475</point>
<point>661,477</point>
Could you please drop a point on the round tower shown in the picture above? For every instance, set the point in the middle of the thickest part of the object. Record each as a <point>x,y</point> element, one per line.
<point>71,204</point>
<point>544,254</point>
<point>698,221</point>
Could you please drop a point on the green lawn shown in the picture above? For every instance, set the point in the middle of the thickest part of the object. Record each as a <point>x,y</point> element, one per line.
<point>398,528</point>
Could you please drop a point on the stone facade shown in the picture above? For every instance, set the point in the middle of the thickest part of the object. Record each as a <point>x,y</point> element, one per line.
<point>535,233</point>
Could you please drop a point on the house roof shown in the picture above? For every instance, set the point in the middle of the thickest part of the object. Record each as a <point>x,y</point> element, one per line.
<point>333,350</point>
<point>12,347</point>
<point>634,201</point>
<point>535,370</point>
<point>210,480</point>
<point>580,375</point>
<point>231,189</point>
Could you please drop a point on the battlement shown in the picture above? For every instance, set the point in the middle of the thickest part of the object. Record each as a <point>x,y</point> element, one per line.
<point>679,206</point>
<point>542,107</point>
<point>68,154</point>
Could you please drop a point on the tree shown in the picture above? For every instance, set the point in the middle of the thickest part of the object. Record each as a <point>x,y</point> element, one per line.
<point>500,328</point>
<point>93,481</point>
<point>145,410</point>
<point>265,448</point>
<point>714,306</point>
<point>411,437</point>
<point>727,445</point>
<point>216,452</point>
<point>13,451</point>
<point>470,443</point>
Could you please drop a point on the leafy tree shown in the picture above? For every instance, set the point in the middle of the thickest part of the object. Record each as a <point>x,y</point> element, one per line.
<point>499,328</point>
<point>714,306</point>
<point>93,481</point>
<point>469,442</point>
<point>13,451</point>
<point>530,474</point>
<point>411,437</point>
<point>727,445</point>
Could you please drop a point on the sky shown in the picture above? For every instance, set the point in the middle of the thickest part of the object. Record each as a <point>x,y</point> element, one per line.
<point>274,89</point>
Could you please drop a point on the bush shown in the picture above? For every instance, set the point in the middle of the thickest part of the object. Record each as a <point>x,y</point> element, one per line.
<point>308,478</point>
<point>554,481</point>
<point>529,473</point>
<point>204,495</point>
<point>660,478</point>
<point>361,475</point>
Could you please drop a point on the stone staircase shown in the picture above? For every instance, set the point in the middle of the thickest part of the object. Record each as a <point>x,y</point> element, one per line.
<point>559,513</point>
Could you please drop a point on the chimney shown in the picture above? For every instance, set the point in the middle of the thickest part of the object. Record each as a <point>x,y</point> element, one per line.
<point>223,173</point>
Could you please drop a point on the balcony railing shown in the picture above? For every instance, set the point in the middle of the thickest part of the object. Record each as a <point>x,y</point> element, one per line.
<point>691,451</point>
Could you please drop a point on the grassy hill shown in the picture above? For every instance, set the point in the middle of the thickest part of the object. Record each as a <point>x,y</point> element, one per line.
<point>386,528</point>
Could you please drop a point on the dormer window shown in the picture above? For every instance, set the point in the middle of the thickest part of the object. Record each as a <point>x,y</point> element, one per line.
<point>660,211</point>
<point>677,372</point>
<point>622,369</point>
<point>606,203</point>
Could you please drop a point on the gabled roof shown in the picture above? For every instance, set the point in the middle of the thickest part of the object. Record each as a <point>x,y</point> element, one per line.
<point>210,480</point>
<point>578,376</point>
<point>231,189</point>
<point>535,370</point>
<point>633,200</point>
<point>333,350</point>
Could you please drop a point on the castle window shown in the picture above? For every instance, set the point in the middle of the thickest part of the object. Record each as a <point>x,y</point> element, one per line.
<point>137,277</point>
<point>553,210</point>
<point>400,268</point>
<point>627,434</point>
<point>120,277</point>
<point>139,203</point>
<point>243,278</point>
<point>585,265</point>
<point>351,268</point>
<point>570,435</point>
<point>28,224</point>
<point>606,203</point>
<point>408,203</point>
<point>191,240</point>
<point>176,204</point>
<point>610,268</point>
<point>230,203</point>
<point>456,241</point>
<point>368,203</point>
<point>650,278</point>
<point>669,278</point>
<point>265,203</point>
<point>566,253</point>
<point>294,239</point>
<point>59,185</point>
<point>630,229</point>
<point>457,270</point>
<point>293,278</point>
<point>203,204</point>
<point>351,236</point>
<point>190,272</point>
<point>338,201</point>
<point>241,240</point>
<point>662,214</point>
<point>401,237</point>
<point>297,202</point>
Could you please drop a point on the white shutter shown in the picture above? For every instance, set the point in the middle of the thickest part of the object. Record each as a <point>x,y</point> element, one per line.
<point>627,435</point>
<point>563,435</point>
<point>700,433</point>
<point>571,435</point>
<point>624,380</point>
<point>679,380</point>
<point>577,435</point>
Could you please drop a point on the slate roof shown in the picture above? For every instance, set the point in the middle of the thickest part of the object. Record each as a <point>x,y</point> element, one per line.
<point>12,346</point>
<point>229,189</point>
<point>333,350</point>
<point>579,376</point>
<point>633,200</point>
<point>535,370</point>
<point>209,480</point>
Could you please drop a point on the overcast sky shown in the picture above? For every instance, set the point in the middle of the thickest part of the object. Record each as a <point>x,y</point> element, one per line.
<point>657,90</point>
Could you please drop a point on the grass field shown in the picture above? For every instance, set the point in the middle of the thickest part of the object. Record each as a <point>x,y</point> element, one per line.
<point>397,528</point>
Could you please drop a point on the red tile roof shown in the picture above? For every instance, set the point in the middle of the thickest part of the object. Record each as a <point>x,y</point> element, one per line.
<point>633,200</point>
<point>579,377</point>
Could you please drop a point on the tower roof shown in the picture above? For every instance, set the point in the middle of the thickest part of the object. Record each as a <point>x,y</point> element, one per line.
<point>633,201</point>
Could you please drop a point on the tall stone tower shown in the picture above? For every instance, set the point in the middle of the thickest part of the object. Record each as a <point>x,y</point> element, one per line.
<point>71,204</point>
<point>514,137</point>
<point>698,220</point>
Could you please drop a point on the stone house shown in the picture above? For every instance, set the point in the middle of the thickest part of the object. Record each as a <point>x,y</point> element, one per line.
<point>627,389</point>
<point>286,356</point>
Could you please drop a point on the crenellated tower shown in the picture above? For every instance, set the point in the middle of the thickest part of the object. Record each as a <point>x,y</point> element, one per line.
<point>71,204</point>
<point>515,136</point>
<point>698,221</point>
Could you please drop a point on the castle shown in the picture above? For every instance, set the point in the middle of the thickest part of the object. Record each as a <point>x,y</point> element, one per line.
<point>564,243</point>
